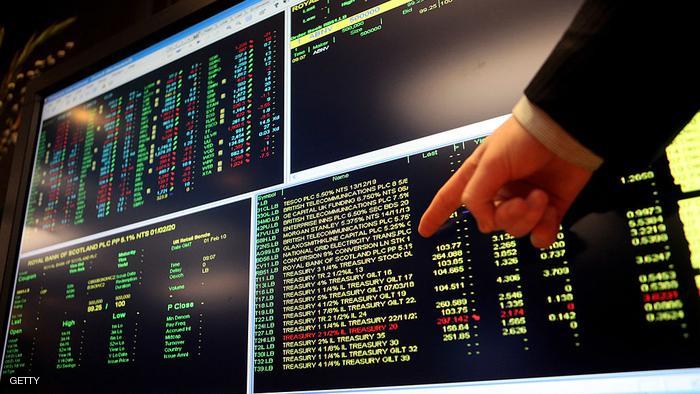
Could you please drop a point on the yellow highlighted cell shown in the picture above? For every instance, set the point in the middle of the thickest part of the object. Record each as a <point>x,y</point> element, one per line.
<point>684,156</point>
<point>689,211</point>
<point>349,21</point>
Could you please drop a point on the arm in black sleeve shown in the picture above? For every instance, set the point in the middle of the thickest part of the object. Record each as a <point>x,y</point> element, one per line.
<point>621,80</point>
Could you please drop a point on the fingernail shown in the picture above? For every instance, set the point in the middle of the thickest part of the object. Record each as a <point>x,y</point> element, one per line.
<point>534,199</point>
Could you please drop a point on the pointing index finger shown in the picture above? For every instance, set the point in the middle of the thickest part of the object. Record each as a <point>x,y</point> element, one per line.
<point>448,198</point>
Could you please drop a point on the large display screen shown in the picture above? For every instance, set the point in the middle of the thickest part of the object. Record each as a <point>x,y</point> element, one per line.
<point>165,300</point>
<point>349,295</point>
<point>235,209</point>
<point>204,127</point>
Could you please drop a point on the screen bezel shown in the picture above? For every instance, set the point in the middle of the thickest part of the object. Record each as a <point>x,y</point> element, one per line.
<point>91,60</point>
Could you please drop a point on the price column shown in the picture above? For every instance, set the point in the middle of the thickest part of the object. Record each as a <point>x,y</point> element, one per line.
<point>511,303</point>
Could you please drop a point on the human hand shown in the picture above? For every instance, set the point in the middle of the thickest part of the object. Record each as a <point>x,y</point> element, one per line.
<point>511,182</point>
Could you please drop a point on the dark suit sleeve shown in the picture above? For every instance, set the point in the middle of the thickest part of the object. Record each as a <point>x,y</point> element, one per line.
<point>622,80</point>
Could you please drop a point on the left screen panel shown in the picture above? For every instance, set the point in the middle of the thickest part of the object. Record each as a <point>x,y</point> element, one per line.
<point>202,128</point>
<point>160,306</point>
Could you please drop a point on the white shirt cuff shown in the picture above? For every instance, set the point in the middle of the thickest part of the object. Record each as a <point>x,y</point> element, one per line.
<point>550,134</point>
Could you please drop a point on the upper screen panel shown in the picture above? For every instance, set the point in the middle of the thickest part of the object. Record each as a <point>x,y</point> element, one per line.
<point>375,73</point>
<point>199,129</point>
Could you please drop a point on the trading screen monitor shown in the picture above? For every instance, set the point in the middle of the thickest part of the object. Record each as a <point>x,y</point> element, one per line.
<point>234,209</point>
